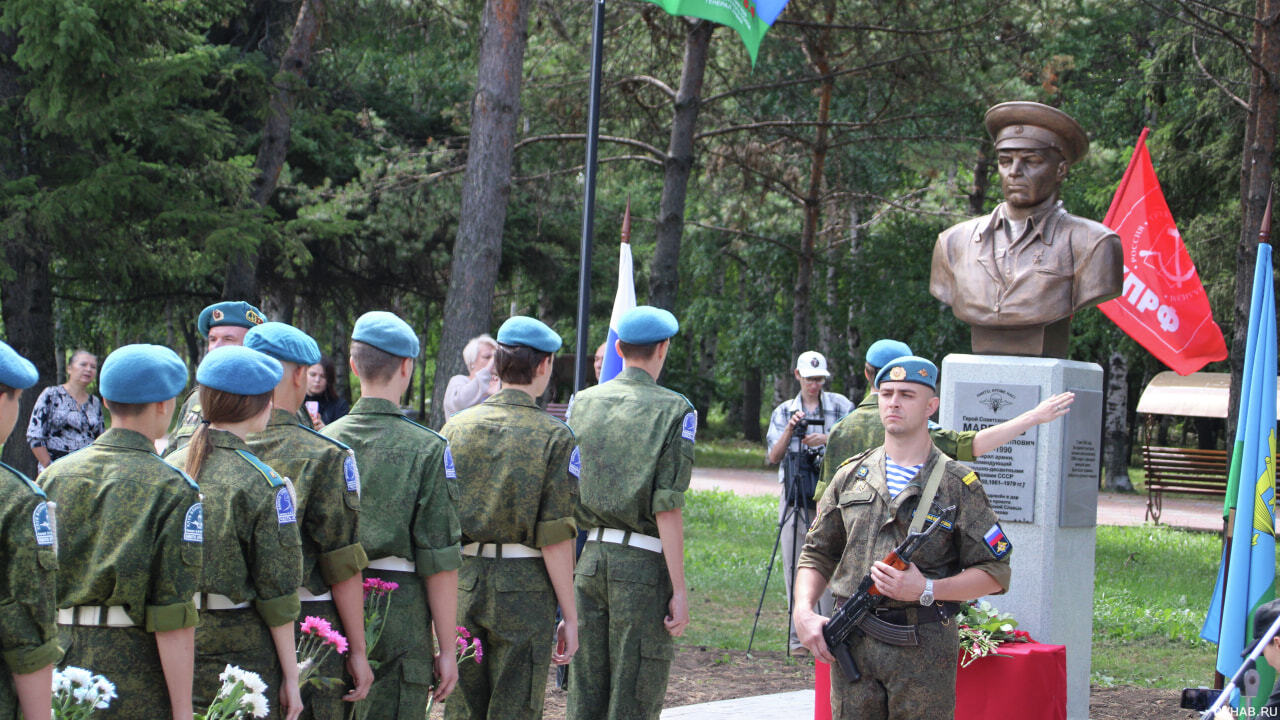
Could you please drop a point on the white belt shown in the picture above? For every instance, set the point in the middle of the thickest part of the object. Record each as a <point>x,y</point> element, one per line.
<point>93,616</point>
<point>305,595</point>
<point>508,551</point>
<point>398,564</point>
<point>214,601</point>
<point>625,537</point>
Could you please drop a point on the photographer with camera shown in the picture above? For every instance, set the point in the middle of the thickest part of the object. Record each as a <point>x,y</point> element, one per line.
<point>796,440</point>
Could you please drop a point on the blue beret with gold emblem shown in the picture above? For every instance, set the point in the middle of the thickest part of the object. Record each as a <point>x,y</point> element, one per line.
<point>645,325</point>
<point>885,350</point>
<point>231,312</point>
<point>239,370</point>
<point>16,371</point>
<point>529,332</point>
<point>283,342</point>
<point>909,369</point>
<point>387,332</point>
<point>136,374</point>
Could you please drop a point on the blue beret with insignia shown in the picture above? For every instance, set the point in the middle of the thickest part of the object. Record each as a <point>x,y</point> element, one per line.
<point>239,370</point>
<point>16,371</point>
<point>387,332</point>
<point>909,369</point>
<point>529,332</point>
<point>231,312</point>
<point>137,374</point>
<point>883,351</point>
<point>283,342</point>
<point>645,325</point>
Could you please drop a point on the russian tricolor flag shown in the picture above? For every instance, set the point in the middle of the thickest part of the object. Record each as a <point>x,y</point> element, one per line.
<point>623,301</point>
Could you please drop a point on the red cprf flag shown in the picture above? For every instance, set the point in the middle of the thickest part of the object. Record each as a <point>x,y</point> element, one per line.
<point>1163,305</point>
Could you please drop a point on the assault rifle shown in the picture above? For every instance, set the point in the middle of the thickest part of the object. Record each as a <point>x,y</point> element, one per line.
<point>855,615</point>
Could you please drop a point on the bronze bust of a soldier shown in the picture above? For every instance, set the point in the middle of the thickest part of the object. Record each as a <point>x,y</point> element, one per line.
<point>1017,276</point>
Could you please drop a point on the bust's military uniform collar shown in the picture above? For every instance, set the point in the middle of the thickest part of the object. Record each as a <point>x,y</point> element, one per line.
<point>509,396</point>
<point>375,406</point>
<point>127,439</point>
<point>226,439</point>
<point>635,374</point>
<point>1038,224</point>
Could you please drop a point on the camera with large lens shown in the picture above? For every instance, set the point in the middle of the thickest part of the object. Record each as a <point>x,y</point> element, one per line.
<point>803,468</point>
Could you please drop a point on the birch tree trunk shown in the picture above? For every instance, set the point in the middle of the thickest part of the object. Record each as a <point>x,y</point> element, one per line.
<point>1115,444</point>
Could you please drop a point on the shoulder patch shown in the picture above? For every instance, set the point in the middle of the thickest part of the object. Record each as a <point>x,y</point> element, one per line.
<point>273,478</point>
<point>42,524</point>
<point>997,543</point>
<point>351,472</point>
<point>575,463</point>
<point>690,427</point>
<point>286,511</point>
<point>450,471</point>
<point>324,437</point>
<point>971,478</point>
<point>193,524</point>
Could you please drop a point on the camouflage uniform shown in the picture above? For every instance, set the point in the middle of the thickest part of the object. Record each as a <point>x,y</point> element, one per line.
<point>327,481</point>
<point>252,554</point>
<point>28,576</point>
<point>187,419</point>
<point>857,524</point>
<point>637,449</point>
<point>402,468</point>
<point>516,469</point>
<point>861,430</point>
<point>131,529</point>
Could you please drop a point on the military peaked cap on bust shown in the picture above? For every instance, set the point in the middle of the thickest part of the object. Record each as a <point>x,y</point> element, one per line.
<point>16,371</point>
<point>909,369</point>
<point>232,312</point>
<point>882,351</point>
<point>239,370</point>
<point>529,332</point>
<point>136,374</point>
<point>283,342</point>
<point>387,332</point>
<point>1032,126</point>
<point>645,325</point>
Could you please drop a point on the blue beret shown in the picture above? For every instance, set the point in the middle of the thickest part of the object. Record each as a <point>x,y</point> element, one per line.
<point>645,325</point>
<point>882,351</point>
<point>142,374</point>
<point>16,371</point>
<point>909,369</point>
<point>521,330</point>
<point>387,332</point>
<point>232,312</point>
<point>283,342</point>
<point>239,370</point>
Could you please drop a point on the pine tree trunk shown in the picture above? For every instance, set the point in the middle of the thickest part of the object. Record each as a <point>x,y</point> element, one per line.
<point>1115,446</point>
<point>486,187</point>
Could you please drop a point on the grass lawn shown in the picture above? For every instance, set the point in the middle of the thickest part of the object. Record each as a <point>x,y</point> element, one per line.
<point>1151,591</point>
<point>729,454</point>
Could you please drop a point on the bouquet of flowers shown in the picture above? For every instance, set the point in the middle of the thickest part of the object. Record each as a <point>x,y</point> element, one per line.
<point>983,628</point>
<point>242,695</point>
<point>466,648</point>
<point>318,640</point>
<point>78,692</point>
<point>377,601</point>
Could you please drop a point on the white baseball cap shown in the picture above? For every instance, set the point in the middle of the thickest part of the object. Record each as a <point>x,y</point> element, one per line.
<point>812,364</point>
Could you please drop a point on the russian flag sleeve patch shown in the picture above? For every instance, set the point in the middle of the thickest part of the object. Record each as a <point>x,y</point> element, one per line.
<point>997,543</point>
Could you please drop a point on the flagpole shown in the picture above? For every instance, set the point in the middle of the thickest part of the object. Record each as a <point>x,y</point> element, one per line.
<point>589,199</point>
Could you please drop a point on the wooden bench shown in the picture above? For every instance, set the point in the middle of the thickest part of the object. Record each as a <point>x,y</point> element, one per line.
<point>557,409</point>
<point>1195,472</point>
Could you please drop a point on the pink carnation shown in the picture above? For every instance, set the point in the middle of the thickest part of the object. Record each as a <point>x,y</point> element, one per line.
<point>391,586</point>
<point>316,626</point>
<point>463,632</point>
<point>338,642</point>
<point>475,645</point>
<point>462,645</point>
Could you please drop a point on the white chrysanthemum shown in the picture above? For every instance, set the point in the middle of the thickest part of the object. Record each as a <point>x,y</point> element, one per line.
<point>253,682</point>
<point>78,676</point>
<point>85,693</point>
<point>105,689</point>
<point>257,704</point>
<point>61,683</point>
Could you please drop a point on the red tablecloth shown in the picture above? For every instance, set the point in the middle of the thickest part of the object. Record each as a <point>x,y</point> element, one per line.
<point>1029,684</point>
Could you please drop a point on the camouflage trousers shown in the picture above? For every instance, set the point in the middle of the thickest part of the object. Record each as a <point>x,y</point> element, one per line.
<point>126,656</point>
<point>624,650</point>
<point>403,661</point>
<point>8,694</point>
<point>510,606</point>
<point>234,637</point>
<point>897,683</point>
<point>325,703</point>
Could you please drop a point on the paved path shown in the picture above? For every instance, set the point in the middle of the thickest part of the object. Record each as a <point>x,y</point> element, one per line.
<point>1113,508</point>
<point>797,704</point>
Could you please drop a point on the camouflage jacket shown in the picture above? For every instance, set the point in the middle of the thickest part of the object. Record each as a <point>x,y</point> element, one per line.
<point>327,480</point>
<point>857,523</point>
<point>636,440</point>
<point>28,572</point>
<point>252,550</point>
<point>406,473</point>
<point>131,528</point>
<point>517,470</point>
